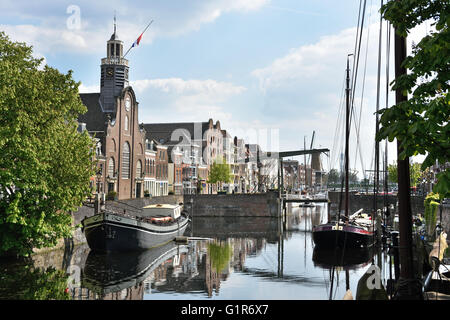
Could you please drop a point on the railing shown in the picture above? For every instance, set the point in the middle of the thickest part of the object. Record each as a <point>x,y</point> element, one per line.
<point>114,60</point>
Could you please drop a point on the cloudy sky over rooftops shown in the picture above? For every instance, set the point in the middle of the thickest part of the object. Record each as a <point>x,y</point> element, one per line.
<point>258,66</point>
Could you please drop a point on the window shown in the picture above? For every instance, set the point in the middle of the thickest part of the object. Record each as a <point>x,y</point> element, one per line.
<point>126,123</point>
<point>111,168</point>
<point>126,161</point>
<point>98,149</point>
<point>118,50</point>
<point>139,169</point>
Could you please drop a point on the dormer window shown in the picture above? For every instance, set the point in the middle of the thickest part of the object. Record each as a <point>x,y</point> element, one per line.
<point>98,149</point>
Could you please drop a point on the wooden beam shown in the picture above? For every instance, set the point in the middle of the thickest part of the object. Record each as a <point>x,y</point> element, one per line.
<point>284,154</point>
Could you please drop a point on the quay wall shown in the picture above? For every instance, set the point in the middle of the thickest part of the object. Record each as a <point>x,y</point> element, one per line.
<point>234,205</point>
<point>235,227</point>
<point>358,201</point>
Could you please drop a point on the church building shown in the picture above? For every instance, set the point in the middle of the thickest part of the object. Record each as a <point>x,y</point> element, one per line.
<point>112,120</point>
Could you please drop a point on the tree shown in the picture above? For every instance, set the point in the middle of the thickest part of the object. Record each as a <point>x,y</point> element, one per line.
<point>45,163</point>
<point>220,172</point>
<point>333,176</point>
<point>421,122</point>
<point>220,254</point>
<point>392,173</point>
<point>415,173</point>
<point>353,176</point>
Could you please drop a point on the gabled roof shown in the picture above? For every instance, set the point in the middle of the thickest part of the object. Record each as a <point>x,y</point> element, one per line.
<point>95,118</point>
<point>175,132</point>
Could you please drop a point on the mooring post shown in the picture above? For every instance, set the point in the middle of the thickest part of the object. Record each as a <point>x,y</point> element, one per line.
<point>97,203</point>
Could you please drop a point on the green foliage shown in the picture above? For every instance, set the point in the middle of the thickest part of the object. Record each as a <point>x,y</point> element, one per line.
<point>415,173</point>
<point>45,163</point>
<point>333,176</point>
<point>220,255</point>
<point>220,172</point>
<point>24,282</point>
<point>112,195</point>
<point>392,173</point>
<point>421,123</point>
<point>431,205</point>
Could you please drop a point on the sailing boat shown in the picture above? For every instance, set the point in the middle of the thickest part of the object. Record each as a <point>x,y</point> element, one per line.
<point>353,231</point>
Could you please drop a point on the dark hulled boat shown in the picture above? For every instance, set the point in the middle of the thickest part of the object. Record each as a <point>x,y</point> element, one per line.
<point>342,235</point>
<point>108,231</point>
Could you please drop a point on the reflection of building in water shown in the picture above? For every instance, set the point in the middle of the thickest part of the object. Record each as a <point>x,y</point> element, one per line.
<point>196,272</point>
<point>191,270</point>
<point>303,218</point>
<point>132,293</point>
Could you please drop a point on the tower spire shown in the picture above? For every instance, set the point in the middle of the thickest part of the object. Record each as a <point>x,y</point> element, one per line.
<point>114,21</point>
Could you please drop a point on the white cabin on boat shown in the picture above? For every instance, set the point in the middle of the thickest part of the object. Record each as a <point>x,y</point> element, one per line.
<point>162,210</point>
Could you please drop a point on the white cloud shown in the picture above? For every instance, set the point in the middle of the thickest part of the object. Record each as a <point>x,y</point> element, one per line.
<point>312,62</point>
<point>304,90</point>
<point>179,86</point>
<point>49,31</point>
<point>88,89</point>
<point>185,100</point>
<point>51,40</point>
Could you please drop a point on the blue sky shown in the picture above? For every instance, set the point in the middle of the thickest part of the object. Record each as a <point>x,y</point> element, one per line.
<point>257,66</point>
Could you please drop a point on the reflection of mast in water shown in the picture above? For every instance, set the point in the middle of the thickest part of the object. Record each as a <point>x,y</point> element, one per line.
<point>280,255</point>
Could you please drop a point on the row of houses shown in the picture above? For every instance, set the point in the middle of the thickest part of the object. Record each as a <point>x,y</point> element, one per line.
<point>303,178</point>
<point>155,159</point>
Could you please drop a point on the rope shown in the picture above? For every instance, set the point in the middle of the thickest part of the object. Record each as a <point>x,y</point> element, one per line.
<point>357,127</point>
<point>337,132</point>
<point>377,146</point>
<point>357,44</point>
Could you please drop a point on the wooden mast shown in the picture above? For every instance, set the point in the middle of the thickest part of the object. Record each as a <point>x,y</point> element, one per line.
<point>347,135</point>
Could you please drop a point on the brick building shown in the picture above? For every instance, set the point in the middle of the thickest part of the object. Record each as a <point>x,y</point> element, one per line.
<point>150,168</point>
<point>200,143</point>
<point>112,119</point>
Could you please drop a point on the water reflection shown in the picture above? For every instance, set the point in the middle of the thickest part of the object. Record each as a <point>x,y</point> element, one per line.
<point>349,259</point>
<point>243,258</point>
<point>24,281</point>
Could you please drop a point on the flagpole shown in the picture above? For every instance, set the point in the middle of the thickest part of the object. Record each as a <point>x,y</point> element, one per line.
<point>133,42</point>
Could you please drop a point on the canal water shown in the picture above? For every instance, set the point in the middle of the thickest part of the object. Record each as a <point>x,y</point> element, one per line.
<point>231,258</point>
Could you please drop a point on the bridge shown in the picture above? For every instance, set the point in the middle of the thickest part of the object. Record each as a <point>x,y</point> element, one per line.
<point>299,198</point>
<point>284,154</point>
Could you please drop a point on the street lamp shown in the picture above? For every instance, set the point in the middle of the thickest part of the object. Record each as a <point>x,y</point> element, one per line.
<point>99,176</point>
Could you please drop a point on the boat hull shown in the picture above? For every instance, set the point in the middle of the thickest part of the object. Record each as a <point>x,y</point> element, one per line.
<point>348,236</point>
<point>107,232</point>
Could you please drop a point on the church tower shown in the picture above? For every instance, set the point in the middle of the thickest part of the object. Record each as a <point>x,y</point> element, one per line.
<point>114,73</point>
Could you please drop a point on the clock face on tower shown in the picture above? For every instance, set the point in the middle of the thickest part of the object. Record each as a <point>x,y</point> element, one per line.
<point>127,104</point>
<point>109,72</point>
